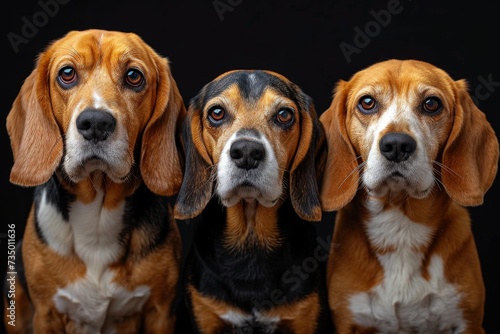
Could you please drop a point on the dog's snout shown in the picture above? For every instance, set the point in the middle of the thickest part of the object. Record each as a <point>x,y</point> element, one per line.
<point>247,153</point>
<point>397,147</point>
<point>95,125</point>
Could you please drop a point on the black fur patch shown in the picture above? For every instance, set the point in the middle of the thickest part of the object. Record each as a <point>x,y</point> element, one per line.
<point>57,196</point>
<point>149,212</point>
<point>255,278</point>
<point>252,84</point>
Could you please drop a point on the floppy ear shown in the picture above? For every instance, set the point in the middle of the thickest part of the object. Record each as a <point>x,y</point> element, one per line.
<point>35,137</point>
<point>160,165</point>
<point>197,186</point>
<point>304,191</point>
<point>470,157</point>
<point>340,177</point>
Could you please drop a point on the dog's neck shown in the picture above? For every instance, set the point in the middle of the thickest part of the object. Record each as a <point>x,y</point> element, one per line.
<point>86,190</point>
<point>250,222</point>
<point>255,252</point>
<point>429,210</point>
<point>416,218</point>
<point>88,218</point>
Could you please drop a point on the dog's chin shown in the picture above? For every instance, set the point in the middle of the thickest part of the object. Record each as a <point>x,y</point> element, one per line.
<point>398,187</point>
<point>94,166</point>
<point>247,194</point>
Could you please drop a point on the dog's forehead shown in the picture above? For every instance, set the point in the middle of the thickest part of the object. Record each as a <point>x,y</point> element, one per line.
<point>403,77</point>
<point>94,46</point>
<point>251,85</point>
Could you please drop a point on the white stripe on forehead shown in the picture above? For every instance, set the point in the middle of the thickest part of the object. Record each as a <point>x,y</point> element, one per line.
<point>400,110</point>
<point>98,101</point>
<point>251,78</point>
<point>101,37</point>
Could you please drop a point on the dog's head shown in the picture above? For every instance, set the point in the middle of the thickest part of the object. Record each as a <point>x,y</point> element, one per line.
<point>252,134</point>
<point>402,128</point>
<point>98,101</point>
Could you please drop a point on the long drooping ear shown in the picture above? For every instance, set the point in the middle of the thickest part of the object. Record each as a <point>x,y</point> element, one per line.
<point>197,186</point>
<point>161,165</point>
<point>470,157</point>
<point>304,192</point>
<point>35,137</point>
<point>340,176</point>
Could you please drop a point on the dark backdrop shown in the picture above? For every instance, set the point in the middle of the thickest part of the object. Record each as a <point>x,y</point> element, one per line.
<point>313,43</point>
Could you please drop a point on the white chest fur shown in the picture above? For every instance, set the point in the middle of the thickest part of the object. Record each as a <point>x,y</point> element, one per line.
<point>96,305</point>
<point>405,301</point>
<point>241,319</point>
<point>92,233</point>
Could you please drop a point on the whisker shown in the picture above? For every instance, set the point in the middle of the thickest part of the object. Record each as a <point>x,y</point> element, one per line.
<point>446,168</point>
<point>358,168</point>
<point>438,182</point>
<point>439,172</point>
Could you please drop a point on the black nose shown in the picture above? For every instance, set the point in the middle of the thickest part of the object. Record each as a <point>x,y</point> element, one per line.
<point>247,153</point>
<point>95,125</point>
<point>397,147</point>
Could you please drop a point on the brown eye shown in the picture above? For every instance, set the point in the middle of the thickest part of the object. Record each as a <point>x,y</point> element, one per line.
<point>134,78</point>
<point>67,77</point>
<point>367,104</point>
<point>284,117</point>
<point>432,105</point>
<point>216,115</point>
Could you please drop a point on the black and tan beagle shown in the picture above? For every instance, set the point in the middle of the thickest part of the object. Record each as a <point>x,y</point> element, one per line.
<point>94,129</point>
<point>252,139</point>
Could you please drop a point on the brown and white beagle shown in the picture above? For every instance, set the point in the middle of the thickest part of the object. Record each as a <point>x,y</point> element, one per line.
<point>407,151</point>
<point>251,141</point>
<point>94,128</point>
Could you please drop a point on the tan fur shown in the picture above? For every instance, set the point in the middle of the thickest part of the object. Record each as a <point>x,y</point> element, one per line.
<point>207,310</point>
<point>464,151</point>
<point>38,123</point>
<point>295,314</point>
<point>238,230</point>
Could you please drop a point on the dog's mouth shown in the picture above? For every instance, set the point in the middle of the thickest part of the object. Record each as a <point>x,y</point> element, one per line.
<point>92,159</point>
<point>397,183</point>
<point>249,192</point>
<point>245,190</point>
<point>97,164</point>
<point>396,174</point>
<point>247,184</point>
<point>91,164</point>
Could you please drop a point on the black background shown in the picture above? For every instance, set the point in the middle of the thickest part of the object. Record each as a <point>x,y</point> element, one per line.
<point>299,39</point>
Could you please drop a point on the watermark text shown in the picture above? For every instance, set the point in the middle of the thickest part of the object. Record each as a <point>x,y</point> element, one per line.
<point>11,275</point>
<point>32,24</point>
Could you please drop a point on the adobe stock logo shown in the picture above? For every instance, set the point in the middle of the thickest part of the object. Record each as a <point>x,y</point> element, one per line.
<point>484,89</point>
<point>222,6</point>
<point>30,25</point>
<point>363,37</point>
<point>293,277</point>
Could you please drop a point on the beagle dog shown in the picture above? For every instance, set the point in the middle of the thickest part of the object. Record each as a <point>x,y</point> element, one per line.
<point>407,151</point>
<point>94,128</point>
<point>251,141</point>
